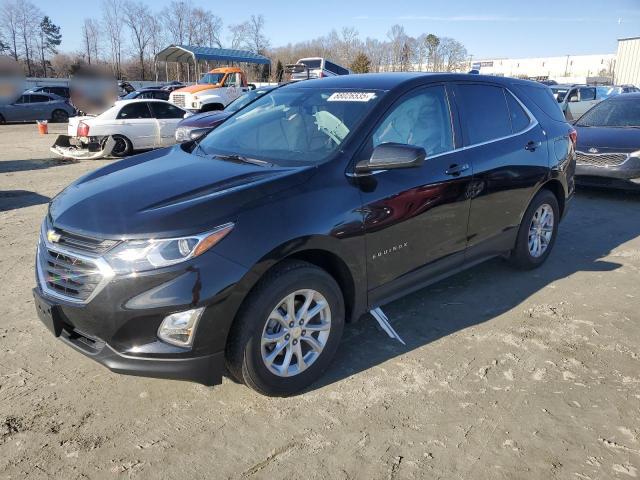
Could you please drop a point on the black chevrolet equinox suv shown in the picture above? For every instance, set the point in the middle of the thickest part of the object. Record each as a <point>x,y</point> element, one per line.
<point>246,252</point>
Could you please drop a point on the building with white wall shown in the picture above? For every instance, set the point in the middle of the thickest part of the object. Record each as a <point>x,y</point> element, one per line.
<point>627,69</point>
<point>567,68</point>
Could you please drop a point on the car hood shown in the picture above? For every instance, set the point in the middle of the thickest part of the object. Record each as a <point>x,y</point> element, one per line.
<point>165,193</point>
<point>198,87</point>
<point>608,139</point>
<point>203,120</point>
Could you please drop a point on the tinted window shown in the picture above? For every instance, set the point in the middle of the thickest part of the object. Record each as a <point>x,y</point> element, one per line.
<point>161,95</point>
<point>39,98</point>
<point>23,99</point>
<point>331,67</point>
<point>135,110</point>
<point>166,110</point>
<point>543,98</point>
<point>485,112</point>
<point>519,118</point>
<point>587,94</point>
<point>423,119</point>
<point>343,71</point>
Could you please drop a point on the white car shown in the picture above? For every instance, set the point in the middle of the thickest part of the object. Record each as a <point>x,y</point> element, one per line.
<point>128,125</point>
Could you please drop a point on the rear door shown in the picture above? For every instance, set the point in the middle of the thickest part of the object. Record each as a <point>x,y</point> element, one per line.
<point>508,151</point>
<point>586,100</point>
<point>135,121</point>
<point>168,117</point>
<point>415,216</point>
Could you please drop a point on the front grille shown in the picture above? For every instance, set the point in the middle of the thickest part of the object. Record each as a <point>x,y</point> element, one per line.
<point>67,275</point>
<point>75,242</point>
<point>179,100</point>
<point>601,159</point>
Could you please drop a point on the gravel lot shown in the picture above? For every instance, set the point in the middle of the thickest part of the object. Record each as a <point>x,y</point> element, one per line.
<point>506,374</point>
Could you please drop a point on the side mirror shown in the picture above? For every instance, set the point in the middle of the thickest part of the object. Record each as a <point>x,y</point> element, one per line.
<point>573,98</point>
<point>388,156</point>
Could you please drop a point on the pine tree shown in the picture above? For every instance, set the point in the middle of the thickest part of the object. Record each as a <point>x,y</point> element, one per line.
<point>361,64</point>
<point>50,38</point>
<point>279,71</point>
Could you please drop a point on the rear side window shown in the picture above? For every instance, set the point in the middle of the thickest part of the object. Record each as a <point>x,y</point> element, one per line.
<point>519,118</point>
<point>134,110</point>
<point>543,98</point>
<point>166,110</point>
<point>331,67</point>
<point>39,98</point>
<point>485,112</point>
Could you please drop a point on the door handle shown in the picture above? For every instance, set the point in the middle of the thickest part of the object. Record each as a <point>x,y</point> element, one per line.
<point>455,169</point>
<point>531,145</point>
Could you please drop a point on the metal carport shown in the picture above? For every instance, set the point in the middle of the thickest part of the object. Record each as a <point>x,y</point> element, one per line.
<point>197,56</point>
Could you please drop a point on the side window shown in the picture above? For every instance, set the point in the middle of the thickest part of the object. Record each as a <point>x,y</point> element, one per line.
<point>331,67</point>
<point>23,99</point>
<point>485,112</point>
<point>587,93</point>
<point>519,118</point>
<point>134,110</point>
<point>422,119</point>
<point>165,110</point>
<point>40,98</point>
<point>232,80</point>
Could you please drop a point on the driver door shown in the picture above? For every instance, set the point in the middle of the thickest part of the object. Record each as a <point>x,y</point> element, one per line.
<point>416,218</point>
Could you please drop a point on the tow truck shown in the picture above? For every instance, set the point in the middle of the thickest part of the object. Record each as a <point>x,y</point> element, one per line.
<point>214,91</point>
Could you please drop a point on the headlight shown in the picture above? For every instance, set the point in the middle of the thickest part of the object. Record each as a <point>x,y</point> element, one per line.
<point>635,154</point>
<point>141,255</point>
<point>185,134</point>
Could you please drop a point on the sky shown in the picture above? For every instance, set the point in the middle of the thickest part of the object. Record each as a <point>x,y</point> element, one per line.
<point>487,28</point>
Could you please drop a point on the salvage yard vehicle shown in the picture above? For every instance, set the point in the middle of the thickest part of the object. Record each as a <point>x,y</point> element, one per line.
<point>214,91</point>
<point>60,90</point>
<point>200,124</point>
<point>608,149</point>
<point>315,67</point>
<point>158,93</point>
<point>30,107</point>
<point>129,124</point>
<point>315,204</point>
<point>580,98</point>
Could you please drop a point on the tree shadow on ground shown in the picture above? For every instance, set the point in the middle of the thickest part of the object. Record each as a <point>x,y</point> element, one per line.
<point>11,166</point>
<point>13,199</point>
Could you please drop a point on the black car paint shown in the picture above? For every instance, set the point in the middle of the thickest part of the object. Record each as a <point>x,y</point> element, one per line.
<point>380,235</point>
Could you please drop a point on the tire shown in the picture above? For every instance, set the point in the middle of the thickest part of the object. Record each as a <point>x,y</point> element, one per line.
<point>123,147</point>
<point>526,255</point>
<point>247,357</point>
<point>59,116</point>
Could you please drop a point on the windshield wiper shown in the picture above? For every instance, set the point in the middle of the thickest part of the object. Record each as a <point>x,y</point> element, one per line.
<point>243,159</point>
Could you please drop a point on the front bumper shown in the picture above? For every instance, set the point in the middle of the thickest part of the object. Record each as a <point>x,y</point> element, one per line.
<point>118,326</point>
<point>91,151</point>
<point>625,175</point>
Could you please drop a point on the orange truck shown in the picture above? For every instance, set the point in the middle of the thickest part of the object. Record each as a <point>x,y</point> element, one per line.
<point>214,91</point>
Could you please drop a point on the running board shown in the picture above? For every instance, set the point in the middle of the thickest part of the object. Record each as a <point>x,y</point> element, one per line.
<point>383,321</point>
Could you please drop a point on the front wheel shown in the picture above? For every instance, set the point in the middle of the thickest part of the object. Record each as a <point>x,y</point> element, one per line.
<point>537,233</point>
<point>288,330</point>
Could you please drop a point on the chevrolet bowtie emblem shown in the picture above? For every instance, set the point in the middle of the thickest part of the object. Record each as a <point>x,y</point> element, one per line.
<point>52,236</point>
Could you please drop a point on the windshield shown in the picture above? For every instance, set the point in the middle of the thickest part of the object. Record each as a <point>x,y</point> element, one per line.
<point>606,92</point>
<point>211,78</point>
<point>612,113</point>
<point>244,100</point>
<point>311,63</point>
<point>292,125</point>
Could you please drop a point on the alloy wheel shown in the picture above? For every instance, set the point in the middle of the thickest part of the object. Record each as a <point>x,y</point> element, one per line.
<point>541,230</point>
<point>296,333</point>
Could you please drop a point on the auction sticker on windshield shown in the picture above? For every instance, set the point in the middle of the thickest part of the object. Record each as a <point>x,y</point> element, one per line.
<point>351,97</point>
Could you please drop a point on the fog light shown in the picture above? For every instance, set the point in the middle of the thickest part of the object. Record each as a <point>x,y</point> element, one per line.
<point>179,328</point>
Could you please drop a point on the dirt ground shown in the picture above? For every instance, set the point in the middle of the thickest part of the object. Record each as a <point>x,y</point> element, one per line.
<point>505,375</point>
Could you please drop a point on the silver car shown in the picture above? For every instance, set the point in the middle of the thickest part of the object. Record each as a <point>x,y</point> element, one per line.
<point>315,67</point>
<point>30,107</point>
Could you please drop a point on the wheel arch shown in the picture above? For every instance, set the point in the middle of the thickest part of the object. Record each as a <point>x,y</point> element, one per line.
<point>555,186</point>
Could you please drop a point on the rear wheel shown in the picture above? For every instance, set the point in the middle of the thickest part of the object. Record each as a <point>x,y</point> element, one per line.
<point>122,147</point>
<point>2,120</point>
<point>537,233</point>
<point>59,116</point>
<point>288,330</point>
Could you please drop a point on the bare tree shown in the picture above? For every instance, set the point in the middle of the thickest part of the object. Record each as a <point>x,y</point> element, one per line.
<point>175,18</point>
<point>112,13</point>
<point>140,27</point>
<point>91,39</point>
<point>10,25</point>
<point>28,18</point>
<point>238,35</point>
<point>453,55</point>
